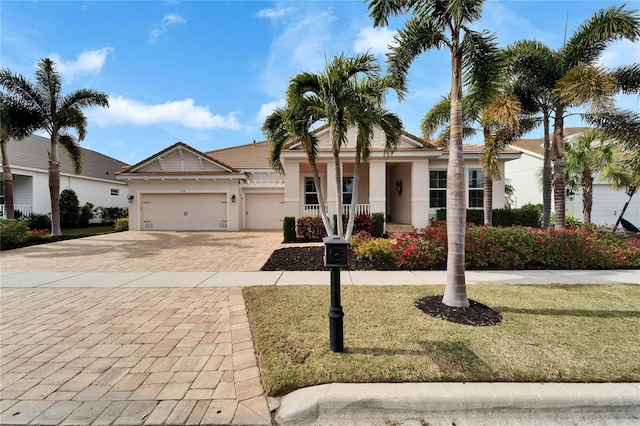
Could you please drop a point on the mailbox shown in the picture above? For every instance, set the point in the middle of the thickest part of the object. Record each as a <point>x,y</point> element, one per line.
<point>336,252</point>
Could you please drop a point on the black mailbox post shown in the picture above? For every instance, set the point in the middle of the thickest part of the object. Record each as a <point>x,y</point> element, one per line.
<point>336,256</point>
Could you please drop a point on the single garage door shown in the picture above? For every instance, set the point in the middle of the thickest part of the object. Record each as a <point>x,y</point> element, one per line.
<point>184,212</point>
<point>264,211</point>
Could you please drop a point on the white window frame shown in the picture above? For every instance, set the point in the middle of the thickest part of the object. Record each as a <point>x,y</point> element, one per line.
<point>440,189</point>
<point>304,191</point>
<point>344,202</point>
<point>480,188</point>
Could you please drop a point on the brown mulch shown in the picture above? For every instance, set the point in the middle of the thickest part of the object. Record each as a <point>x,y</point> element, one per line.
<point>476,315</point>
<point>308,259</point>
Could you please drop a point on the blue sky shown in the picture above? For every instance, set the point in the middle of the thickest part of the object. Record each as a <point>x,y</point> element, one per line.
<point>207,73</point>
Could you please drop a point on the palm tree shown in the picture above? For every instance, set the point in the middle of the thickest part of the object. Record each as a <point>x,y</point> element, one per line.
<point>16,122</point>
<point>577,81</point>
<point>332,94</point>
<point>440,24</point>
<point>58,114</point>
<point>585,155</point>
<point>293,123</point>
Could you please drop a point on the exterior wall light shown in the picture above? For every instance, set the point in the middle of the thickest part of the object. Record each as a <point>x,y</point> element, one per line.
<point>233,198</point>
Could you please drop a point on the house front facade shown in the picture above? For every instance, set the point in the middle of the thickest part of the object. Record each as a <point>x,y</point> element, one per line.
<point>525,176</point>
<point>29,160</point>
<point>181,188</point>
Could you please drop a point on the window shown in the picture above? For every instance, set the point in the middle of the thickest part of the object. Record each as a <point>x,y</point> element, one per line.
<point>347,190</point>
<point>310,193</point>
<point>115,192</point>
<point>438,189</point>
<point>476,191</point>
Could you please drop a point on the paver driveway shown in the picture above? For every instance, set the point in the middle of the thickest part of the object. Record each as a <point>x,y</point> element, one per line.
<point>132,356</point>
<point>144,251</point>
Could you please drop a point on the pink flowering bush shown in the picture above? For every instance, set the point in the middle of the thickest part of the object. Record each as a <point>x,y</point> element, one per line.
<point>587,247</point>
<point>37,234</point>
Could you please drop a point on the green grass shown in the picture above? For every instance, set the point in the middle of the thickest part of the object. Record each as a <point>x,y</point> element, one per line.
<point>557,333</point>
<point>91,230</point>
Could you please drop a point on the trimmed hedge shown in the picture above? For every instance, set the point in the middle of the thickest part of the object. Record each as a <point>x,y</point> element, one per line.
<point>311,228</point>
<point>528,215</point>
<point>289,229</point>
<point>378,224</point>
<point>12,232</point>
<point>588,247</point>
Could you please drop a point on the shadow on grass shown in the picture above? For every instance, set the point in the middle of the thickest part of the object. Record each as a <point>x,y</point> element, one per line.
<point>586,313</point>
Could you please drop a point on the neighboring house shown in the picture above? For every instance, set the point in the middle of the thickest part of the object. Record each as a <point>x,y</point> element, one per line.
<point>96,184</point>
<point>181,188</point>
<point>525,175</point>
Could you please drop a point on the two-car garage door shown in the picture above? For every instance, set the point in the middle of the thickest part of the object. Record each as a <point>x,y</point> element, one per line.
<point>184,212</point>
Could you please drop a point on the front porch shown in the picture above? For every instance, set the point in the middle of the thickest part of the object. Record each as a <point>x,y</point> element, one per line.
<point>25,210</point>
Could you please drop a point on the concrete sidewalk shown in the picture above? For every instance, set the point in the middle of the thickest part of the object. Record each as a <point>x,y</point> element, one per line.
<point>9,279</point>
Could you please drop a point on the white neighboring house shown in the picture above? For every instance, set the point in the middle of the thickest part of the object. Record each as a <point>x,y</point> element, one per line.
<point>181,188</point>
<point>96,183</point>
<point>525,175</point>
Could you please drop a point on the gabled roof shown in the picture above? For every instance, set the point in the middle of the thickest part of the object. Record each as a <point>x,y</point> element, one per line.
<point>33,152</point>
<point>148,166</point>
<point>250,156</point>
<point>536,146</point>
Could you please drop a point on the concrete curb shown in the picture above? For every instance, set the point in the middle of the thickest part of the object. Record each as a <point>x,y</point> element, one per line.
<point>462,404</point>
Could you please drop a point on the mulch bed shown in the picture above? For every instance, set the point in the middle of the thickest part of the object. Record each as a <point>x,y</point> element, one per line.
<point>476,315</point>
<point>308,259</point>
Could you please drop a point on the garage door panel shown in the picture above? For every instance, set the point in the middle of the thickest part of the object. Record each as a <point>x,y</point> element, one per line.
<point>184,212</point>
<point>264,211</point>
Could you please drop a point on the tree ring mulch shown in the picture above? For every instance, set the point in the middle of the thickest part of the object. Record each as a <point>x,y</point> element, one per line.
<point>476,315</point>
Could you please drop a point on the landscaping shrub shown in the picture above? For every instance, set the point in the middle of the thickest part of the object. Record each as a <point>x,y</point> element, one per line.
<point>588,247</point>
<point>86,214</point>
<point>363,222</point>
<point>311,228</point>
<point>528,215</point>
<point>12,232</point>
<point>289,229</point>
<point>37,234</point>
<point>474,216</point>
<point>38,221</point>
<point>378,224</point>
<point>69,208</point>
<point>109,215</point>
<point>122,224</point>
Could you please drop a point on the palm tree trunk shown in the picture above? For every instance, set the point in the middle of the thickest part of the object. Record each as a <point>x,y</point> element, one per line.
<point>587,195</point>
<point>630,192</point>
<point>54,191</point>
<point>455,292</point>
<point>336,161</point>
<point>557,155</point>
<point>487,200</point>
<point>7,182</point>
<point>354,193</point>
<point>321,201</point>
<point>546,176</point>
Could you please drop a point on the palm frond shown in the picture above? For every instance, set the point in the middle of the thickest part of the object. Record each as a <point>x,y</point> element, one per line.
<point>587,84</point>
<point>483,64</point>
<point>628,78</point>
<point>436,117</point>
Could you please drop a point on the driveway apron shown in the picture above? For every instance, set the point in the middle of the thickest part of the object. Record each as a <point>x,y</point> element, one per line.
<point>132,356</point>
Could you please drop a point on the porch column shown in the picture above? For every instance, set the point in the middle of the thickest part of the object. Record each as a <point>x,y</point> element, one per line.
<point>420,194</point>
<point>331,190</point>
<point>291,189</point>
<point>378,187</point>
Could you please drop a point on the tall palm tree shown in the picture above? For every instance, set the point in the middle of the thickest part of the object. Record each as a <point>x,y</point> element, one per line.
<point>587,154</point>
<point>335,97</point>
<point>440,24</point>
<point>58,114</point>
<point>293,123</point>
<point>16,122</point>
<point>579,81</point>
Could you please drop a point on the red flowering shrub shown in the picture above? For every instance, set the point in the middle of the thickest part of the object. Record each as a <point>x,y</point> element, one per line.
<point>588,247</point>
<point>311,228</point>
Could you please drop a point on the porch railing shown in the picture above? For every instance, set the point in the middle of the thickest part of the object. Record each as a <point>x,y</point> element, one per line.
<point>313,210</point>
<point>26,210</point>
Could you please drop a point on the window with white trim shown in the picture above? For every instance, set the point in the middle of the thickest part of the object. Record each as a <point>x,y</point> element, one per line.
<point>476,188</point>
<point>310,193</point>
<point>438,189</point>
<point>115,192</point>
<point>347,190</point>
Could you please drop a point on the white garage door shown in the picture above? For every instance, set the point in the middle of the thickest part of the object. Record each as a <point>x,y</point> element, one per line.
<point>184,212</point>
<point>264,211</point>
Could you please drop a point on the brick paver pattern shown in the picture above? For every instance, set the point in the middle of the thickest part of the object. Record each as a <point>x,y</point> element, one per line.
<point>128,356</point>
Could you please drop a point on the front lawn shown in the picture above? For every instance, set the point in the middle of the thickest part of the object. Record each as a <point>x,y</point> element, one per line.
<point>556,333</point>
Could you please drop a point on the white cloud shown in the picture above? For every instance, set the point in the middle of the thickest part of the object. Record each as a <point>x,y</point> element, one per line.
<point>169,20</point>
<point>274,13</point>
<point>182,113</point>
<point>374,40</point>
<point>621,52</point>
<point>89,62</point>
<point>267,109</point>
